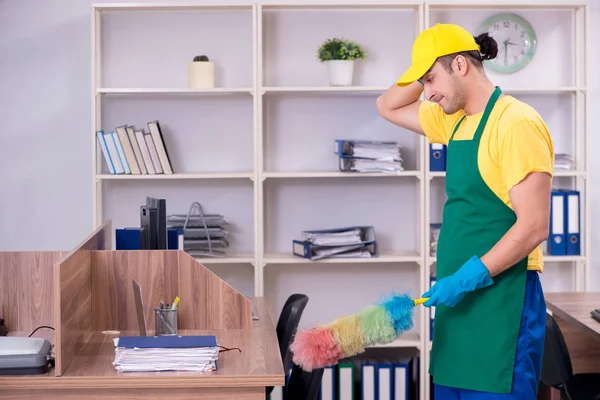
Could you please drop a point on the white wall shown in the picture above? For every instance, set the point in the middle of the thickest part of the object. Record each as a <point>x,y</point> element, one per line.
<point>45,148</point>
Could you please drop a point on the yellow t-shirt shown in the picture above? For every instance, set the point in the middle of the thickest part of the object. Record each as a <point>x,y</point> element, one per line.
<point>514,143</point>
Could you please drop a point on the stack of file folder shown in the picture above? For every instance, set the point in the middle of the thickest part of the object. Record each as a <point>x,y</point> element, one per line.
<point>166,353</point>
<point>350,242</point>
<point>369,156</point>
<point>203,235</point>
<point>563,162</point>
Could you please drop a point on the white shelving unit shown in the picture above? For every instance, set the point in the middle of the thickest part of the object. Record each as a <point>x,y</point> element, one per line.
<point>258,147</point>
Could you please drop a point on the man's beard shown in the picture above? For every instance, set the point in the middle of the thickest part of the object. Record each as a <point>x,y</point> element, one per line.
<point>458,98</point>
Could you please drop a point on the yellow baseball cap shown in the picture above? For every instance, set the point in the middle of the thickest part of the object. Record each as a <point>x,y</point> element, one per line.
<point>434,42</point>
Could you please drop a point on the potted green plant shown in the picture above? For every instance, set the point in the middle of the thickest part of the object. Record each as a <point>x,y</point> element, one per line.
<point>201,73</point>
<point>339,55</point>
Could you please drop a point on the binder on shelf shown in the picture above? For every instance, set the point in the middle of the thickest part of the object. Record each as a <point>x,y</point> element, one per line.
<point>368,149</point>
<point>327,390</point>
<point>401,381</point>
<point>573,215</point>
<point>557,239</point>
<point>357,164</point>
<point>345,381</point>
<point>350,242</point>
<point>437,157</point>
<point>368,155</point>
<point>385,382</point>
<point>432,281</point>
<point>368,381</point>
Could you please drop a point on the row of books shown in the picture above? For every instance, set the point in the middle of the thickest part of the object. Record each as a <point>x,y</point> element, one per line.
<point>128,150</point>
<point>369,156</point>
<point>346,242</point>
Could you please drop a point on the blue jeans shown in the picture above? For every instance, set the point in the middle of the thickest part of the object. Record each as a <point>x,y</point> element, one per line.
<point>530,351</point>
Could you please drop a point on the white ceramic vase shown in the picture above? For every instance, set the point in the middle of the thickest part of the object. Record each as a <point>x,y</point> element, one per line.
<point>341,72</point>
<point>201,74</point>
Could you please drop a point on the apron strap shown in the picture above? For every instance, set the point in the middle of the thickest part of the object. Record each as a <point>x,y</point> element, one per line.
<point>488,110</point>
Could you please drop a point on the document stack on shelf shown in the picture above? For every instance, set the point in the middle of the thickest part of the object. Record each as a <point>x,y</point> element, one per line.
<point>350,242</point>
<point>369,156</point>
<point>202,234</point>
<point>563,162</point>
<point>166,353</point>
<point>131,151</point>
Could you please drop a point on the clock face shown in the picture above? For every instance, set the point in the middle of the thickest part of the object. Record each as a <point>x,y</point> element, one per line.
<point>516,42</point>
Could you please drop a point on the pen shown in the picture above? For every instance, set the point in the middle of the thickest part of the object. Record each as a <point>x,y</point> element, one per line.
<point>162,304</point>
<point>175,303</point>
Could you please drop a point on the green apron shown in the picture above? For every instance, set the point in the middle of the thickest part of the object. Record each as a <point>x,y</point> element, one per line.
<point>474,343</point>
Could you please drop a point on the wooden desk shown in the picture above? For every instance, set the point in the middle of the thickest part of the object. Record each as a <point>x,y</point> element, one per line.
<point>88,291</point>
<point>91,375</point>
<point>575,308</point>
<point>571,310</point>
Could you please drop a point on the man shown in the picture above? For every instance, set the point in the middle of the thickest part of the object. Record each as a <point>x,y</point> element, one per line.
<point>490,311</point>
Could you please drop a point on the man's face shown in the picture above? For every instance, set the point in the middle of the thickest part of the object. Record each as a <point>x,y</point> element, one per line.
<point>444,88</point>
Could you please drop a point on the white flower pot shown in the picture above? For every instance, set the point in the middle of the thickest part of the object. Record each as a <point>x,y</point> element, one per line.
<point>201,74</point>
<point>341,72</point>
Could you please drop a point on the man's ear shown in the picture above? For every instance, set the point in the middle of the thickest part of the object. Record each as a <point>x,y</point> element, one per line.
<point>459,65</point>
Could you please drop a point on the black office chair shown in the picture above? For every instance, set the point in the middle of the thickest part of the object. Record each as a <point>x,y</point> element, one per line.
<point>557,370</point>
<point>287,325</point>
<point>304,385</point>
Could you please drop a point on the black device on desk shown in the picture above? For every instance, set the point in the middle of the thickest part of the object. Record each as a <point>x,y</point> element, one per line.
<point>3,328</point>
<point>596,314</point>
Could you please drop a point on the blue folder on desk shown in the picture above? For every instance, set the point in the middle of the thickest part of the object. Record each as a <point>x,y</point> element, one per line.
<point>309,249</point>
<point>167,342</point>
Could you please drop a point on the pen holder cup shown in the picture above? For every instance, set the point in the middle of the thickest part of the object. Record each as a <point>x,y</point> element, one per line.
<point>165,321</point>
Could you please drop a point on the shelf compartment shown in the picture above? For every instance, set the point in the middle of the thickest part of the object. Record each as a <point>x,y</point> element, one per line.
<point>381,89</point>
<point>189,175</point>
<point>547,259</point>
<point>165,6</point>
<point>388,205</point>
<point>198,137</point>
<point>288,51</point>
<point>408,339</point>
<point>438,174</point>
<point>164,43</point>
<point>338,174</point>
<point>242,258</point>
<point>325,89</point>
<point>300,131</point>
<point>289,258</point>
<point>181,90</point>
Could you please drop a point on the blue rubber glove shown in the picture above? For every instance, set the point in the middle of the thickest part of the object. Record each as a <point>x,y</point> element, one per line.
<point>450,290</point>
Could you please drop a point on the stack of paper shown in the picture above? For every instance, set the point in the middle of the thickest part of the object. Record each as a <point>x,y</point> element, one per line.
<point>166,353</point>
<point>353,242</point>
<point>369,156</point>
<point>563,162</point>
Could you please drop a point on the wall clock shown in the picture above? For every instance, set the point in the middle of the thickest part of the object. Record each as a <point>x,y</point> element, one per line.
<point>516,42</point>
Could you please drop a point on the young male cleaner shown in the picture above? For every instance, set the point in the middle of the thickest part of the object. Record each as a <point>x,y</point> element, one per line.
<point>488,338</point>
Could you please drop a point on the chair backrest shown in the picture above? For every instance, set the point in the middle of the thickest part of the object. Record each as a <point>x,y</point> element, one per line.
<point>287,325</point>
<point>556,366</point>
<point>304,385</point>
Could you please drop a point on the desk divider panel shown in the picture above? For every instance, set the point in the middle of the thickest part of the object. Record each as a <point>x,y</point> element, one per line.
<point>207,302</point>
<point>27,290</point>
<point>73,296</point>
<point>113,305</point>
